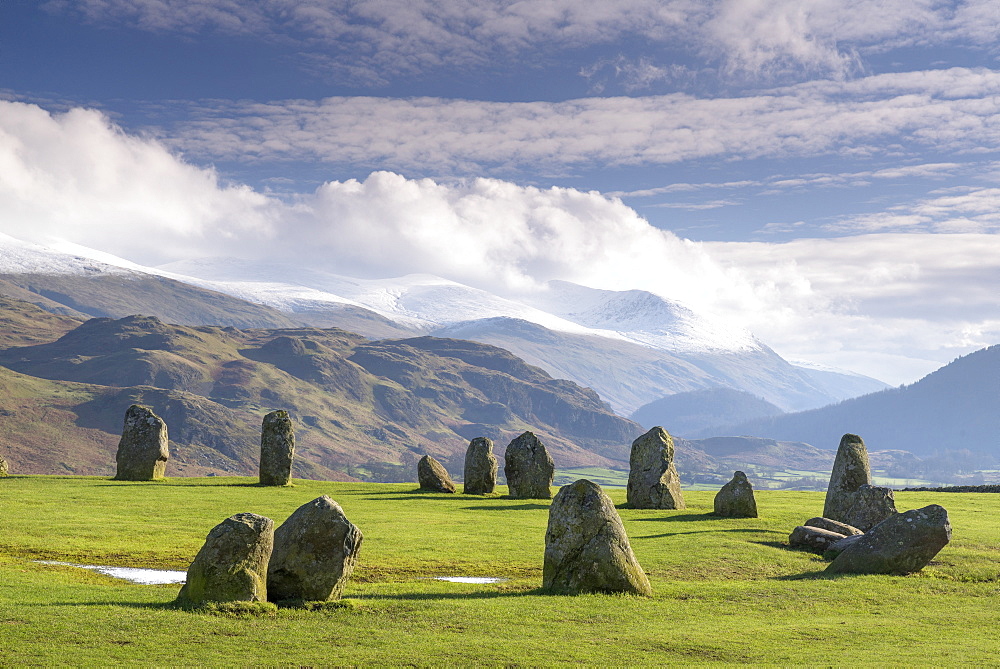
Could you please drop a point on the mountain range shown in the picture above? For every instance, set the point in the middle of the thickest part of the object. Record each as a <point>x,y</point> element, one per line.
<point>631,347</point>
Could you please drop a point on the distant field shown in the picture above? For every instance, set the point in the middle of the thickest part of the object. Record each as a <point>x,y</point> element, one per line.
<point>726,591</point>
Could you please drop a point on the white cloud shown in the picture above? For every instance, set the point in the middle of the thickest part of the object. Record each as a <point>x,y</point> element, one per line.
<point>955,110</point>
<point>369,40</point>
<point>885,304</point>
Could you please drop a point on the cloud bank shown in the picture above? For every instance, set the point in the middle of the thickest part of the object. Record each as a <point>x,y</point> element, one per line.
<point>892,305</point>
<point>955,110</point>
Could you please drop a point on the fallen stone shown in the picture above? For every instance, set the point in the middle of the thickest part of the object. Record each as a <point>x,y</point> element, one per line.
<point>850,472</point>
<point>315,551</point>
<point>813,538</point>
<point>901,544</point>
<point>232,564</point>
<point>872,504</point>
<point>277,449</point>
<point>736,499</point>
<point>432,475</point>
<point>529,468</point>
<point>143,449</point>
<point>481,467</point>
<point>586,548</point>
<point>653,482</point>
<point>833,526</point>
<point>841,545</point>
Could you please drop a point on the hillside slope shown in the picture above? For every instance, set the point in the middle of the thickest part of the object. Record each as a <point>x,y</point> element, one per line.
<point>356,404</point>
<point>955,408</point>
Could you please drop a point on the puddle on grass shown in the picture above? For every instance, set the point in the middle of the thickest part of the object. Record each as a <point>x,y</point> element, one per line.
<point>135,575</point>
<point>469,579</point>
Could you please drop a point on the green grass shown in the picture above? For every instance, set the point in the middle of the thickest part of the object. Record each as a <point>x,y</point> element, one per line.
<point>725,590</point>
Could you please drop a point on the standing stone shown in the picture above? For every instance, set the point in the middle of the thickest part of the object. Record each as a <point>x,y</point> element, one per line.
<point>735,499</point>
<point>315,551</point>
<point>529,468</point>
<point>4,471</point>
<point>277,448</point>
<point>850,472</point>
<point>481,467</point>
<point>433,476</point>
<point>142,451</point>
<point>872,504</point>
<point>653,482</point>
<point>901,544</point>
<point>232,565</point>
<point>586,548</point>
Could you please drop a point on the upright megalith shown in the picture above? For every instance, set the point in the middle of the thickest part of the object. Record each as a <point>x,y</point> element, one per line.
<point>871,504</point>
<point>277,449</point>
<point>529,468</point>
<point>4,470</point>
<point>432,476</point>
<point>653,482</point>
<point>850,472</point>
<point>736,499</point>
<point>586,548</point>
<point>232,564</point>
<point>142,451</point>
<point>481,467</point>
<point>901,544</point>
<point>315,551</point>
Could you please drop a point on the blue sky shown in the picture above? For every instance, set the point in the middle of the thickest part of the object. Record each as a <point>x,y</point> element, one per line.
<point>825,171</point>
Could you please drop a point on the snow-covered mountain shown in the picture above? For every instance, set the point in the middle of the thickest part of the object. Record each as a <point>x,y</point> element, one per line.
<point>632,346</point>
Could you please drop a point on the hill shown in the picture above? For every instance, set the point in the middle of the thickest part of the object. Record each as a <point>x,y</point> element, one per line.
<point>362,409</point>
<point>688,413</point>
<point>954,409</point>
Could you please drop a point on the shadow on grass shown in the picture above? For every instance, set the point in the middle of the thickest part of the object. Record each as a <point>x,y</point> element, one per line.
<point>742,530</point>
<point>174,483</point>
<point>804,576</point>
<point>482,594</point>
<point>517,507</point>
<point>682,518</point>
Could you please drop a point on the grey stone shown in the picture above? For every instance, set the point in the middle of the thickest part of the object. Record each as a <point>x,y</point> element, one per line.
<point>872,504</point>
<point>813,538</point>
<point>232,564</point>
<point>850,472</point>
<point>481,467</point>
<point>277,449</point>
<point>833,526</point>
<point>529,468</point>
<point>315,551</point>
<point>901,544</point>
<point>433,476</point>
<point>143,449</point>
<point>736,499</point>
<point>4,470</point>
<point>653,482</point>
<point>586,548</point>
<point>841,545</point>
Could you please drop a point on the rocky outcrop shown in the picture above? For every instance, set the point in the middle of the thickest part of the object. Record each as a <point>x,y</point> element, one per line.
<point>736,499</point>
<point>653,482</point>
<point>529,468</point>
<point>432,476</point>
<point>315,551</point>
<point>142,451</point>
<point>901,544</point>
<point>833,526</point>
<point>871,505</point>
<point>813,538</point>
<point>850,472</point>
<point>232,564</point>
<point>277,449</point>
<point>481,467</point>
<point>586,548</point>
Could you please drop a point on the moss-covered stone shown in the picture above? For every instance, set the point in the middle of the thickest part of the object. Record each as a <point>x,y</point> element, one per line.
<point>586,548</point>
<point>277,449</point>
<point>481,467</point>
<point>529,468</point>
<point>432,475</point>
<point>736,498</point>
<point>232,564</point>
<point>850,471</point>
<point>143,449</point>
<point>653,481</point>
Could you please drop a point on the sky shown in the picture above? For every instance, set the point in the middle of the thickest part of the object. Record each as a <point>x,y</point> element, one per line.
<point>824,172</point>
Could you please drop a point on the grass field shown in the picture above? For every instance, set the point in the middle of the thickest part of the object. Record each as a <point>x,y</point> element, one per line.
<point>725,590</point>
